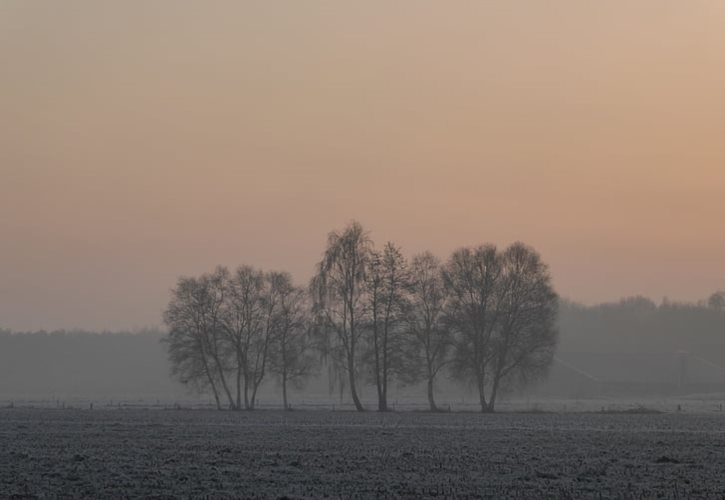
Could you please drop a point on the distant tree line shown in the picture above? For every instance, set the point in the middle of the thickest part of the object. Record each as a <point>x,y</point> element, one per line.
<point>638,324</point>
<point>74,363</point>
<point>117,365</point>
<point>485,316</point>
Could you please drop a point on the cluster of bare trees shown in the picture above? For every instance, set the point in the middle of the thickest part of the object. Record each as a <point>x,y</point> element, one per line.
<point>227,331</point>
<point>485,315</point>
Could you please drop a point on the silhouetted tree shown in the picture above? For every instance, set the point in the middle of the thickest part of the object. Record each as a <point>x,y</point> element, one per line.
<point>252,302</point>
<point>472,278</point>
<point>222,325</point>
<point>502,309</point>
<point>717,300</point>
<point>428,341</point>
<point>338,291</point>
<point>196,340</point>
<point>189,364</point>
<point>275,284</point>
<point>388,280</point>
<point>525,339</point>
<point>292,359</point>
<point>244,321</point>
<point>495,310</point>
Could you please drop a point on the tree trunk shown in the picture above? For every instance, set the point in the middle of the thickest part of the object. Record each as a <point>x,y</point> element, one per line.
<point>482,395</point>
<point>211,382</point>
<point>284,371</point>
<point>379,381</point>
<point>494,392</point>
<point>376,349</point>
<point>383,401</point>
<point>216,399</point>
<point>223,380</point>
<point>257,381</point>
<point>431,401</point>
<point>383,406</point>
<point>284,391</point>
<point>239,383</point>
<point>351,351</point>
<point>353,388</point>
<point>253,399</point>
<point>246,391</point>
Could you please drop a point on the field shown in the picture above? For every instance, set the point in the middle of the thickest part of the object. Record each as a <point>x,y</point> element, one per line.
<point>113,453</point>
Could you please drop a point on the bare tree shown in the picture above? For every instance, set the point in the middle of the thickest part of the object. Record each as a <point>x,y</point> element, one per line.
<point>186,341</point>
<point>243,320</point>
<point>338,290</point>
<point>717,300</point>
<point>221,326</point>
<point>526,337</point>
<point>196,344</point>
<point>248,315</point>
<point>292,359</point>
<point>275,284</point>
<point>495,310</point>
<point>502,308</point>
<point>374,311</point>
<point>387,283</point>
<point>428,341</point>
<point>472,278</point>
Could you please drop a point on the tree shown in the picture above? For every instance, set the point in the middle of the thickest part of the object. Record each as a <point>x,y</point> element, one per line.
<point>525,339</point>
<point>275,282</point>
<point>248,316</point>
<point>387,283</point>
<point>221,327</point>
<point>472,279</point>
<point>291,360</point>
<point>338,290</point>
<point>243,324</point>
<point>428,341</point>
<point>717,300</point>
<point>503,309</point>
<point>196,343</point>
<point>189,364</point>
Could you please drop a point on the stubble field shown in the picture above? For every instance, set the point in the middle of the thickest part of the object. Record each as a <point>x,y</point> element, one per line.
<point>312,454</point>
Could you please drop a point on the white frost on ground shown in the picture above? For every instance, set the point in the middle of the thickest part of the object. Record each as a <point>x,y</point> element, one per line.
<point>310,454</point>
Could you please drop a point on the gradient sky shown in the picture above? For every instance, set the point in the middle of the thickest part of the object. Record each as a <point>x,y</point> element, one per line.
<point>140,141</point>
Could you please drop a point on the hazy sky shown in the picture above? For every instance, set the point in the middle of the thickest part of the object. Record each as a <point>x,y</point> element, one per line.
<point>140,141</point>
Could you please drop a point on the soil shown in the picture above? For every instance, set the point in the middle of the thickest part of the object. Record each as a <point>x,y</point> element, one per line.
<point>313,454</point>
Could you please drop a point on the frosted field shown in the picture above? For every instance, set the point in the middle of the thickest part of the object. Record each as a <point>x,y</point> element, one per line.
<point>102,453</point>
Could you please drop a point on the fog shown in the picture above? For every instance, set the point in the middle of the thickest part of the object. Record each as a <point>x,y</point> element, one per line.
<point>634,348</point>
<point>372,249</point>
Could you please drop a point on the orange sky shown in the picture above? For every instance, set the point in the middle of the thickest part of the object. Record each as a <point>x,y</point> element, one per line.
<point>144,140</point>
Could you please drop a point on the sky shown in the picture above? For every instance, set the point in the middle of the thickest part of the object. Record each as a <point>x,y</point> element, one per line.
<point>141,141</point>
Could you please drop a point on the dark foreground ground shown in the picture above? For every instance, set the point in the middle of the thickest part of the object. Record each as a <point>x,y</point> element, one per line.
<point>115,453</point>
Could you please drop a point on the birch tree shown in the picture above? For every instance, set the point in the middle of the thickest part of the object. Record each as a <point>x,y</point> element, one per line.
<point>292,359</point>
<point>243,322</point>
<point>387,284</point>
<point>196,341</point>
<point>428,341</point>
<point>338,290</point>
